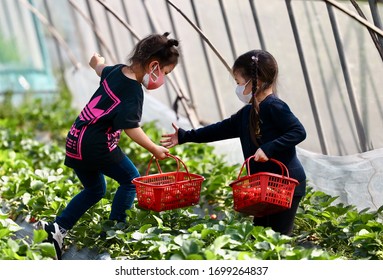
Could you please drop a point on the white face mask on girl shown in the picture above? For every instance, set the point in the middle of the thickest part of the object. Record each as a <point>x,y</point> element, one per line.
<point>245,98</point>
<point>152,80</point>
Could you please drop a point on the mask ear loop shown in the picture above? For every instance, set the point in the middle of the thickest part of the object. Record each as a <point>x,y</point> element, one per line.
<point>154,74</point>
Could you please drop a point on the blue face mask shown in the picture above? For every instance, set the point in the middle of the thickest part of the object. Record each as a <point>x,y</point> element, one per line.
<point>240,89</point>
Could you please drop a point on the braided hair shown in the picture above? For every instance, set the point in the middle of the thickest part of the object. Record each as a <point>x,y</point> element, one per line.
<point>254,114</point>
<point>158,47</point>
<point>257,65</point>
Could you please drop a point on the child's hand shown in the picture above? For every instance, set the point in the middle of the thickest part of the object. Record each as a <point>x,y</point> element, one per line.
<point>170,140</point>
<point>95,60</point>
<point>160,153</point>
<point>260,156</point>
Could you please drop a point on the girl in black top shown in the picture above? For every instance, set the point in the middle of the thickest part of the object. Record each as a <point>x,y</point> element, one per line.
<point>92,143</point>
<point>266,128</point>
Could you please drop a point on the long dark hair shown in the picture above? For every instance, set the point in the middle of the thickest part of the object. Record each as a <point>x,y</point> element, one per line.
<point>257,65</point>
<point>155,46</point>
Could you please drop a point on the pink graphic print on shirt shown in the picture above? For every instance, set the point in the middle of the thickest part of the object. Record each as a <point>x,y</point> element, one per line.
<point>90,115</point>
<point>90,111</point>
<point>113,138</point>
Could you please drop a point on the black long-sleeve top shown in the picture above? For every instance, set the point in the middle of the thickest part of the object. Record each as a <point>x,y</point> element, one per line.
<point>280,132</point>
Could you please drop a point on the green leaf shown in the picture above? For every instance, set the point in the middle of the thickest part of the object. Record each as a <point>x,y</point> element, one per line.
<point>198,228</point>
<point>11,225</point>
<point>210,255</point>
<point>163,249</point>
<point>179,239</point>
<point>190,247</point>
<point>208,231</point>
<point>39,235</point>
<point>26,198</point>
<point>194,257</point>
<point>221,242</point>
<point>23,249</point>
<point>47,249</point>
<point>177,257</point>
<point>110,234</point>
<point>363,232</point>
<point>4,232</point>
<point>145,227</point>
<point>161,223</point>
<point>13,245</point>
<point>138,235</point>
<point>244,256</point>
<point>263,245</point>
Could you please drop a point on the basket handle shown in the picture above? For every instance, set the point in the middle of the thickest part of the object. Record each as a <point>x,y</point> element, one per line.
<point>177,159</point>
<point>247,163</point>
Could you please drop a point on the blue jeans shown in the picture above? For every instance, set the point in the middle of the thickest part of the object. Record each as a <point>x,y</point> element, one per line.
<point>95,188</point>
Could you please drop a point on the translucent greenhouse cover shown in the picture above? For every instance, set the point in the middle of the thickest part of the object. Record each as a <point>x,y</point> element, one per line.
<point>23,66</point>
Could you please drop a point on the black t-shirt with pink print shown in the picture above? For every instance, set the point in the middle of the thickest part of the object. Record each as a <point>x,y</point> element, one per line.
<point>92,141</point>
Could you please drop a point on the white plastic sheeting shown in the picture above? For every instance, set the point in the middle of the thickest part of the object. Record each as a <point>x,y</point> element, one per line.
<point>356,179</point>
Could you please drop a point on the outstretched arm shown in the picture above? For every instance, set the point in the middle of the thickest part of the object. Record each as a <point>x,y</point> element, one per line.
<point>139,136</point>
<point>97,62</point>
<point>226,129</point>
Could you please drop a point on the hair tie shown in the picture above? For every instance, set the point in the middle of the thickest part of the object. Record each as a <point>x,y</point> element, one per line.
<point>171,43</point>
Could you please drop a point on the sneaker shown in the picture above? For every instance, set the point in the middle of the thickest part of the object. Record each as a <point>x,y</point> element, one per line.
<point>56,235</point>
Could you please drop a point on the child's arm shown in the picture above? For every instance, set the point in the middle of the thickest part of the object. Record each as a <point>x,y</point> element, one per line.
<point>97,62</point>
<point>139,136</point>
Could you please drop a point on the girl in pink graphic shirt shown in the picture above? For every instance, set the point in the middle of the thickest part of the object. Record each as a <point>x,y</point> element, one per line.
<point>92,143</point>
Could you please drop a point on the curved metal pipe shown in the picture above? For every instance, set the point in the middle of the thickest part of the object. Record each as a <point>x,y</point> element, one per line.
<point>355,16</point>
<point>214,49</point>
<point>94,28</point>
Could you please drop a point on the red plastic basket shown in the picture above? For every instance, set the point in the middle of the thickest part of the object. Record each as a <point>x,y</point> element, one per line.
<point>170,190</point>
<point>263,193</point>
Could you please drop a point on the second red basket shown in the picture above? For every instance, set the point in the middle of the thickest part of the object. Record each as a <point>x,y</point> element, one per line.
<point>263,193</point>
<point>169,190</point>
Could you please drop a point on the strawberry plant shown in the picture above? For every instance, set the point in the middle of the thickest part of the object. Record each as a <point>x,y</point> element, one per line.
<point>342,229</point>
<point>12,248</point>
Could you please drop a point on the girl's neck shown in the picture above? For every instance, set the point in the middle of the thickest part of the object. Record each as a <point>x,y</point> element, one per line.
<point>130,72</point>
<point>262,95</point>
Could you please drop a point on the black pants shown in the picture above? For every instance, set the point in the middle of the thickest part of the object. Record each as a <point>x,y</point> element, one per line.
<point>282,222</point>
